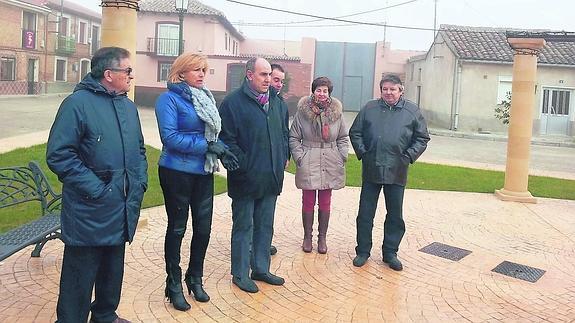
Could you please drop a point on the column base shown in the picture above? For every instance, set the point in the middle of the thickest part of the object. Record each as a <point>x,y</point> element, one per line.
<point>522,197</point>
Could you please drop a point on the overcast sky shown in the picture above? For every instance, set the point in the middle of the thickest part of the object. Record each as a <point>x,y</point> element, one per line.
<point>530,14</point>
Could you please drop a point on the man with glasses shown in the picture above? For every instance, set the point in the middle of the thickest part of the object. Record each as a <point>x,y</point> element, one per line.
<point>97,150</point>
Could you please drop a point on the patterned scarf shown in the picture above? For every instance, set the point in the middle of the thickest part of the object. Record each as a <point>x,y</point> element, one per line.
<point>262,98</point>
<point>322,114</point>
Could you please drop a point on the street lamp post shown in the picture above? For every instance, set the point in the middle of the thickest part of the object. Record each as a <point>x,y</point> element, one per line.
<point>181,8</point>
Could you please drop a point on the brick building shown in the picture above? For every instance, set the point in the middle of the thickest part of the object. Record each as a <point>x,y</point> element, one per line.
<point>45,45</point>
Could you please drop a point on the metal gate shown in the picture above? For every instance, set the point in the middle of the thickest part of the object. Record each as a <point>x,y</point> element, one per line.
<point>350,67</point>
<point>236,73</point>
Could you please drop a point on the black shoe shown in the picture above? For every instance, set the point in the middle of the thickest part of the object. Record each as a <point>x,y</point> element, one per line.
<point>268,278</point>
<point>176,297</point>
<point>359,260</point>
<point>393,262</point>
<point>195,286</point>
<point>273,250</point>
<point>245,284</point>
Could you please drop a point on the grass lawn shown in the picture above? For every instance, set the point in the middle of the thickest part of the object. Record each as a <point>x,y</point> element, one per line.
<point>435,177</point>
<point>13,216</point>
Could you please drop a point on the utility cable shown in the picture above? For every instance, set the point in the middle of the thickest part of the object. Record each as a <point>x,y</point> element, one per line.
<point>329,18</point>
<point>277,24</point>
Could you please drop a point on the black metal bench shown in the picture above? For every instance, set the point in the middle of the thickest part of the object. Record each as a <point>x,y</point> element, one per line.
<point>25,184</point>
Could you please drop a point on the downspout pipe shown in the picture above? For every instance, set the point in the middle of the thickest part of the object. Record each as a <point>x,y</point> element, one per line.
<point>456,94</point>
<point>453,95</point>
<point>457,98</point>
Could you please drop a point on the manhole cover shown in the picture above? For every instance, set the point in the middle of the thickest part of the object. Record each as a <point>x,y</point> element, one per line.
<point>445,251</point>
<point>518,271</point>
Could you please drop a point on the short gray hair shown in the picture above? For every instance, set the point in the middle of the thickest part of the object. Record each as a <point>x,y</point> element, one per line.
<point>391,78</point>
<point>251,64</point>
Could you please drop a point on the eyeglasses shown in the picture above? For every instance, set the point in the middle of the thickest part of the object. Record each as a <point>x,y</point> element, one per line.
<point>127,70</point>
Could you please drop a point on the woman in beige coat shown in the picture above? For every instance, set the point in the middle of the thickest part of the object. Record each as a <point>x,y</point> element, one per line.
<point>319,145</point>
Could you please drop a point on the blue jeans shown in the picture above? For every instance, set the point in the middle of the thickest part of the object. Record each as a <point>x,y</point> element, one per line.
<point>252,228</point>
<point>394,226</point>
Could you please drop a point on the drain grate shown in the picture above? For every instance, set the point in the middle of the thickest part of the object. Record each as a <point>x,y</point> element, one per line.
<point>519,271</point>
<point>445,251</point>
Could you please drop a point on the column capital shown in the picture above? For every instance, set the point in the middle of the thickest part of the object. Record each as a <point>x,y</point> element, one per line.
<point>130,4</point>
<point>526,46</point>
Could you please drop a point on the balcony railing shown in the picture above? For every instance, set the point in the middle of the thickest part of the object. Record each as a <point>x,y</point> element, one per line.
<point>65,45</point>
<point>163,46</point>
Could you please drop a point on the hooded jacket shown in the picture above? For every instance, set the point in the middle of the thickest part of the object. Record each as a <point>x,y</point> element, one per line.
<point>97,150</point>
<point>320,163</point>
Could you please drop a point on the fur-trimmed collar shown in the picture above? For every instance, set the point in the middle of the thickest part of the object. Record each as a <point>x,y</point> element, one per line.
<point>336,109</point>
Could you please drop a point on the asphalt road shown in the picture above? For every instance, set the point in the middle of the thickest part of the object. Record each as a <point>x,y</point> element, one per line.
<point>26,115</point>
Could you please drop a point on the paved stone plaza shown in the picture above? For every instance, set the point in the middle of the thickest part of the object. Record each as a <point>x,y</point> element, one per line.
<point>328,287</point>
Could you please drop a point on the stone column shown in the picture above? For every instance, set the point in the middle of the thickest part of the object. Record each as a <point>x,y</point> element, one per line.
<point>521,120</point>
<point>119,19</point>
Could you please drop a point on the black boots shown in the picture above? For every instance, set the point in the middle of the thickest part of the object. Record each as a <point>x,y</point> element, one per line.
<point>174,292</point>
<point>307,219</point>
<point>195,286</point>
<point>323,219</point>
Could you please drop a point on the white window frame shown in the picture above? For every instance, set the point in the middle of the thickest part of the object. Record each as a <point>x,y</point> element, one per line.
<point>70,22</point>
<point>169,51</point>
<point>160,70</point>
<point>504,83</point>
<point>56,59</point>
<point>86,31</point>
<point>91,37</point>
<point>35,26</point>
<point>13,66</point>
<point>80,76</point>
<point>561,88</point>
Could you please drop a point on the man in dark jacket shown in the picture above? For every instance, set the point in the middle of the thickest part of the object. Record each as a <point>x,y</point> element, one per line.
<point>277,82</point>
<point>254,126</point>
<point>387,135</point>
<point>97,150</point>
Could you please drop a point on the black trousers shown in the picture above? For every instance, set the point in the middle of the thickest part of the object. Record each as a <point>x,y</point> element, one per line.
<point>394,226</point>
<point>183,191</point>
<point>85,269</point>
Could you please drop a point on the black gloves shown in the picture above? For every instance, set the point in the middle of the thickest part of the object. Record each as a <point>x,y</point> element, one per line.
<point>229,160</point>
<point>216,147</point>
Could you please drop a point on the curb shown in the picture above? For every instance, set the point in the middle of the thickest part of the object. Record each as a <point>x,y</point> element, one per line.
<point>33,96</point>
<point>500,138</point>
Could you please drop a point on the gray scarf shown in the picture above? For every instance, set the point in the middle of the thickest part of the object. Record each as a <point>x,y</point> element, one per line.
<point>205,106</point>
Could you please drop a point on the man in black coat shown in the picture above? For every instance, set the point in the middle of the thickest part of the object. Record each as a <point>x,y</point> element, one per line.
<point>387,135</point>
<point>254,126</point>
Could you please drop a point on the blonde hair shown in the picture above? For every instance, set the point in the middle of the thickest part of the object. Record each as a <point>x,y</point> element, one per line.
<point>185,63</point>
